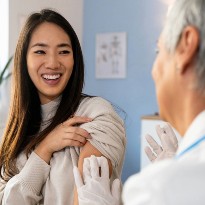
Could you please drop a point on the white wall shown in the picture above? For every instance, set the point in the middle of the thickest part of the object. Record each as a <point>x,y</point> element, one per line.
<point>4,35</point>
<point>4,41</point>
<point>72,10</point>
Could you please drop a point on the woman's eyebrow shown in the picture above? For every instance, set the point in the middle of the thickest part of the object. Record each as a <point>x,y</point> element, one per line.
<point>45,45</point>
<point>64,45</point>
<point>39,44</point>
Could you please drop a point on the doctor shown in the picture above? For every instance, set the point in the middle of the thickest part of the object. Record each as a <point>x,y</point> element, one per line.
<point>179,75</point>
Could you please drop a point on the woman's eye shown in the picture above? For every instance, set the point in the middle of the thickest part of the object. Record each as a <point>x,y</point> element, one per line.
<point>39,52</point>
<point>64,52</point>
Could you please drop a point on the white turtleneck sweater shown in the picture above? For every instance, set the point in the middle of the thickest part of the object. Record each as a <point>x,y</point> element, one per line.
<point>40,183</point>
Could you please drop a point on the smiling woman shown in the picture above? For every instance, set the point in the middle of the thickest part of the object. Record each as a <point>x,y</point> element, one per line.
<point>52,125</point>
<point>50,60</point>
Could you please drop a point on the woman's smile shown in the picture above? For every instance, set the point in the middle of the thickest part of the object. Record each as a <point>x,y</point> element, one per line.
<point>51,79</point>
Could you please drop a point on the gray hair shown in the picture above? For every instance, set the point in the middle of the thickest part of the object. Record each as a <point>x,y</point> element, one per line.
<point>184,13</point>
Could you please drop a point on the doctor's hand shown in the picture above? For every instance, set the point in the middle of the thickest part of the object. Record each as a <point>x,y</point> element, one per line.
<point>96,188</point>
<point>169,144</point>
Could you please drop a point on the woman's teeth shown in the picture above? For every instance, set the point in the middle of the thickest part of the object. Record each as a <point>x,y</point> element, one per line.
<point>51,77</point>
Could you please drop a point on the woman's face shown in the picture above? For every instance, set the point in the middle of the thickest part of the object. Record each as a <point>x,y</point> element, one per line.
<point>50,60</point>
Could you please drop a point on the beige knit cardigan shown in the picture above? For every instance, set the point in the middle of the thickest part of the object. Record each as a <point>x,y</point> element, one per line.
<point>40,183</point>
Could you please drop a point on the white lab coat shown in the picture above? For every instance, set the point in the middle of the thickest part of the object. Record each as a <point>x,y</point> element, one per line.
<point>177,181</point>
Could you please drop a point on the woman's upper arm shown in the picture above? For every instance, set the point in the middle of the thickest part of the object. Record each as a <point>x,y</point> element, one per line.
<point>87,151</point>
<point>107,130</point>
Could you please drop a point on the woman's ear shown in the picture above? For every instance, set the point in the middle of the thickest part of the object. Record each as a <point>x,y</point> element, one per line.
<point>187,48</point>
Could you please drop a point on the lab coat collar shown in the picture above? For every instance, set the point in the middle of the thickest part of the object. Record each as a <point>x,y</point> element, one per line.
<point>195,131</point>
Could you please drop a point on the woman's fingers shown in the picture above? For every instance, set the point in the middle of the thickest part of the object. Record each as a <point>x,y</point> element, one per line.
<point>64,135</point>
<point>67,134</point>
<point>74,143</point>
<point>77,134</point>
<point>76,120</point>
<point>77,131</point>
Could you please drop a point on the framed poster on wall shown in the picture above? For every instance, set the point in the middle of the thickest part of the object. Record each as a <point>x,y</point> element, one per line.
<point>111,55</point>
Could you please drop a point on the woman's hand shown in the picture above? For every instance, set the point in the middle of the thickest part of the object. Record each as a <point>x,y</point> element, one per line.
<point>64,135</point>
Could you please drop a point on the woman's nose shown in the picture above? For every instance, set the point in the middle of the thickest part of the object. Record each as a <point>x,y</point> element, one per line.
<point>52,62</point>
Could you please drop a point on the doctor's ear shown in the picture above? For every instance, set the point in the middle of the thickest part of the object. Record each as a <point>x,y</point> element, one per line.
<point>187,48</point>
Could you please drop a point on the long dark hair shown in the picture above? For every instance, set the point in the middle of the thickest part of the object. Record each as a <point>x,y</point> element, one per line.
<point>22,130</point>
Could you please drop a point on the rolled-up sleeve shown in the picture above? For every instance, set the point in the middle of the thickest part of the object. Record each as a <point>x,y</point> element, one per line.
<point>107,129</point>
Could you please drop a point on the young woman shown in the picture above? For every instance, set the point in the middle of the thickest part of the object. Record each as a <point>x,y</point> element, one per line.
<point>52,125</point>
